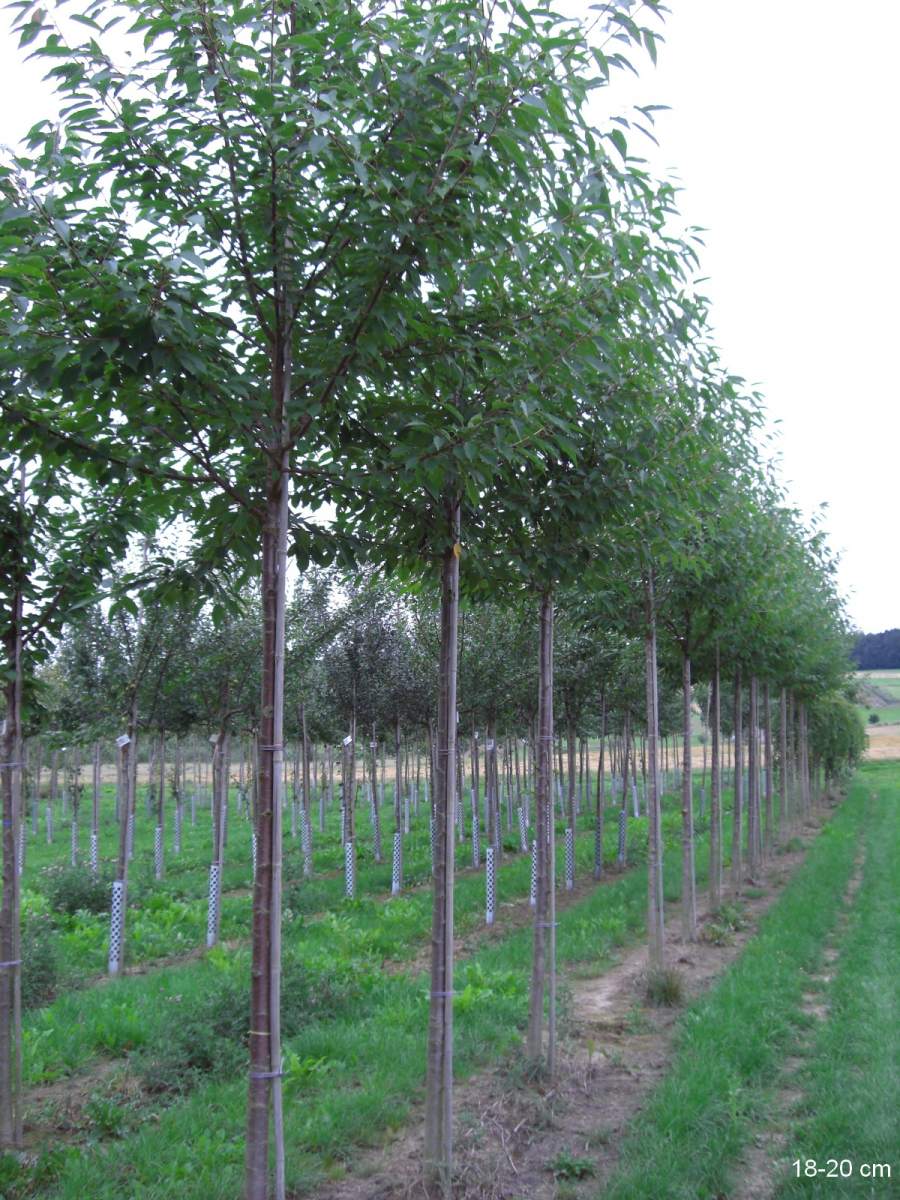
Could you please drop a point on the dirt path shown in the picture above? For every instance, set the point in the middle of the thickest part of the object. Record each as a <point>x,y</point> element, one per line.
<point>510,1132</point>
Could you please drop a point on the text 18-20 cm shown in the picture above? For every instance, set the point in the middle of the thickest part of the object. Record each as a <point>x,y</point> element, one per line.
<point>840,1168</point>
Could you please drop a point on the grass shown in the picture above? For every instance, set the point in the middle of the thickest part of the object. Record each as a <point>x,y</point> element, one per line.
<point>730,1042</point>
<point>852,1077</point>
<point>889,714</point>
<point>352,1074</point>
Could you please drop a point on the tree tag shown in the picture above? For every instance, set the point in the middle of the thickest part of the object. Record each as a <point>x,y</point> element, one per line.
<point>122,740</point>
<point>348,739</point>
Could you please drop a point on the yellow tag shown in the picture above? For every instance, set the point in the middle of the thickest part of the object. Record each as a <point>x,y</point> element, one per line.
<point>457,549</point>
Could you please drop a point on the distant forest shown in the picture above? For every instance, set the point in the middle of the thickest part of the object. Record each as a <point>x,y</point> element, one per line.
<point>873,651</point>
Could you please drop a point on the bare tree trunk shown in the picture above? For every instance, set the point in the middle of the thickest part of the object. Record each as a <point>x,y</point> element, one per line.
<point>715,787</point>
<point>737,813</point>
<point>688,876</point>
<point>95,805</point>
<point>753,807</point>
<point>783,765</point>
<point>769,772</point>
<point>601,791</point>
<point>439,1073</point>
<point>570,797</point>
<point>11,753</point>
<point>655,917</point>
<point>805,799</point>
<point>160,803</point>
<point>264,1085</point>
<point>542,944</point>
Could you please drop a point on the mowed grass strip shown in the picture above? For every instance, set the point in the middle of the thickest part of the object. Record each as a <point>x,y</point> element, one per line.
<point>730,1042</point>
<point>852,1081</point>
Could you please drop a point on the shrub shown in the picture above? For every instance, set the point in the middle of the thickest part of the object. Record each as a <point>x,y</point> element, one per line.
<point>40,971</point>
<point>209,1037</point>
<point>75,889</point>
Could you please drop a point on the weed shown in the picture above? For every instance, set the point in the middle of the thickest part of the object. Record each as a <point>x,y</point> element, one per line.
<point>567,1166</point>
<point>107,1118</point>
<point>40,971</point>
<point>636,1020</point>
<point>663,988</point>
<point>792,846</point>
<point>75,889</point>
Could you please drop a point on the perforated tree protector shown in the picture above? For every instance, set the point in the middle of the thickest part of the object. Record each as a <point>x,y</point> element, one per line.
<point>490,887</point>
<point>306,843</point>
<point>397,865</point>
<point>349,871</point>
<point>116,926</point>
<point>376,832</point>
<point>212,911</point>
<point>570,859</point>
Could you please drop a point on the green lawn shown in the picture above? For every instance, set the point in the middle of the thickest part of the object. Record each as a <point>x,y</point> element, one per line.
<point>731,1043</point>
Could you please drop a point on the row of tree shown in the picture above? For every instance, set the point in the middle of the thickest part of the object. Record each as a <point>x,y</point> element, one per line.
<point>367,284</point>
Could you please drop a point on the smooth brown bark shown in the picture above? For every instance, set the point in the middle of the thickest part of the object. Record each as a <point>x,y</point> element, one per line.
<point>783,766</point>
<point>264,1084</point>
<point>11,770</point>
<point>439,1067</point>
<point>738,810</point>
<point>655,915</point>
<point>753,808</point>
<point>715,789</point>
<point>769,832</point>
<point>688,872</point>
<point>543,944</point>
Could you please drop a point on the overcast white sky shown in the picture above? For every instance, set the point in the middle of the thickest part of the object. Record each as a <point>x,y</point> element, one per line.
<point>783,135</point>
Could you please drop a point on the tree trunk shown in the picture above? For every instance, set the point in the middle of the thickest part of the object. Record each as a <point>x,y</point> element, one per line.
<point>655,917</point>
<point>753,806</point>
<point>805,797</point>
<point>715,789</point>
<point>783,765</point>
<point>439,1072</point>
<point>11,751</point>
<point>601,791</point>
<point>264,1085</point>
<point>543,944</point>
<point>737,813</point>
<point>767,751</point>
<point>688,879</point>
